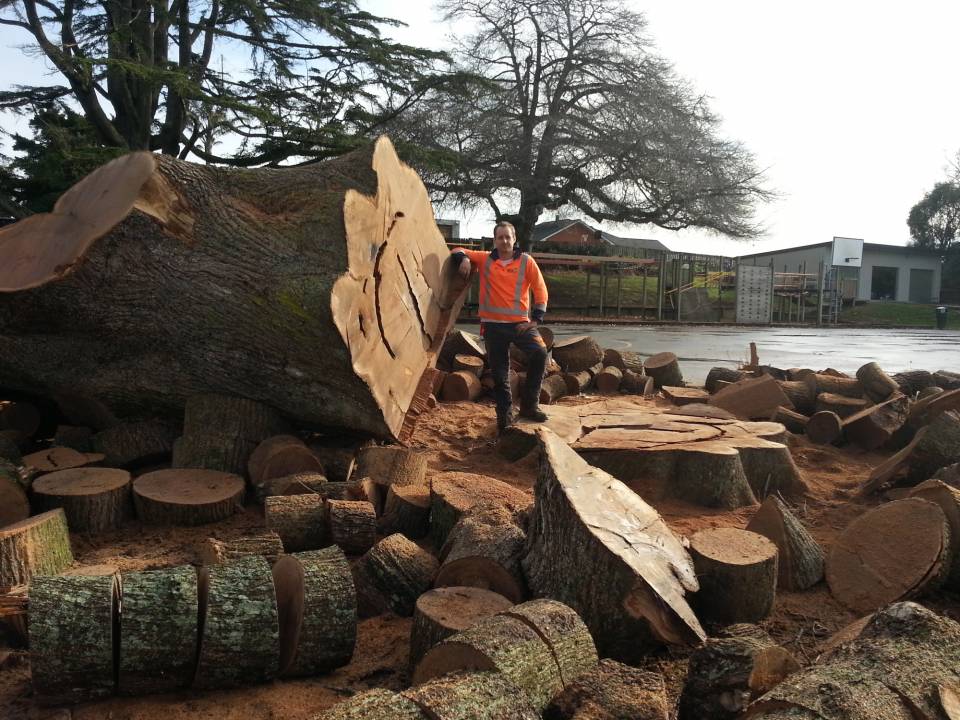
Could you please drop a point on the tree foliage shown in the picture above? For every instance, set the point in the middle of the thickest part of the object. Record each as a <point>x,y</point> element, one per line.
<point>934,222</point>
<point>564,103</point>
<point>147,74</point>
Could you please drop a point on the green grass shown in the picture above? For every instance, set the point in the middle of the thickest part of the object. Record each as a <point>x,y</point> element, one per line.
<point>894,313</point>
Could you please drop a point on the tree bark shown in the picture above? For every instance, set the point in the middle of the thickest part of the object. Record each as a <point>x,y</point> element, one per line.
<point>14,504</point>
<point>72,625</point>
<point>299,520</point>
<point>453,493</point>
<point>301,483</point>
<point>212,451</point>
<point>664,369</point>
<point>948,500</point>
<point>939,447</point>
<point>800,559</point>
<point>352,524</point>
<point>875,426</point>
<point>608,380</point>
<point>611,691</point>
<point>460,386</point>
<point>842,405</point>
<point>159,639</point>
<point>825,428</point>
<point>378,704</point>
<point>577,353</point>
<point>176,255</point>
<point>911,382</point>
<point>392,575</point>
<point>266,544</point>
<point>724,374</point>
<point>94,499</point>
<point>484,555</point>
<point>800,394</point>
<point>472,696</point>
<point>833,384</point>
<point>552,389</point>
<point>187,497</point>
<point>240,632</point>
<point>406,511</point>
<point>877,385</point>
<point>134,444</point>
<point>793,421</point>
<point>39,545</point>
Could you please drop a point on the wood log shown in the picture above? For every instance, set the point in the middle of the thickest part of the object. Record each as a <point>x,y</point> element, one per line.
<point>596,369</point>
<point>634,572</point>
<point>406,511</point>
<point>897,668</point>
<point>499,643</point>
<point>725,374</point>
<point>187,496</point>
<point>577,382</point>
<point>485,555</point>
<point>825,428</point>
<point>842,405</point>
<point>726,673</point>
<point>39,545</point>
<point>72,625</point>
<point>338,461</point>
<point>751,398</point>
<point>472,696</point>
<point>939,447</point>
<point>233,416</point>
<point>392,575</point>
<point>94,499</point>
<point>452,494</point>
<point>264,449</point>
<point>684,395</point>
<point>552,389</point>
<point>877,385</point>
<point>924,411</point>
<point>266,544</point>
<point>162,238</point>
<point>284,459</point>
<point>608,380</point>
<point>769,468</point>
<point>459,342</point>
<point>885,471</point>
<point>317,606</point>
<point>737,570</point>
<point>834,384</point>
<point>930,392</point>
<point>212,451</point>
<point>352,524</point>
<point>132,444</point>
<point>614,358</point>
<point>911,382</point>
<point>158,642</point>
<point>898,550</point>
<point>948,500</point>
<point>793,421</point>
<point>388,466</point>
<point>632,383</point>
<point>14,504</point>
<point>445,611</point>
<point>611,691</point>
<point>303,483</point>
<point>59,458</point>
<point>374,704</point>
<point>664,369</point>
<point>574,354</point>
<point>240,633</point>
<point>946,379</point>
<point>800,395</point>
<point>800,558</point>
<point>875,426</point>
<point>949,475</point>
<point>460,386</point>
<point>468,363</point>
<point>299,520</point>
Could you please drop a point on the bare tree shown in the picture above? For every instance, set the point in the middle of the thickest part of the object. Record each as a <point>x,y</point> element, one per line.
<point>564,103</point>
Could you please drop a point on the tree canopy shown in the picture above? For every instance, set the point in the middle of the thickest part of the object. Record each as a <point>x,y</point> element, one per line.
<point>564,103</point>
<point>147,74</point>
<point>934,222</point>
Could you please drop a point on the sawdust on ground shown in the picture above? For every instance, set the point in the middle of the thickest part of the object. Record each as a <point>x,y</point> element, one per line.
<point>456,437</point>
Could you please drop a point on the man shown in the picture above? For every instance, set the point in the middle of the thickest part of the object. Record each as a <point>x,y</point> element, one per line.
<point>506,277</point>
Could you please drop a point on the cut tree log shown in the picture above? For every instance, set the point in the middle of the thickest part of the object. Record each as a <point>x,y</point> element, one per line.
<point>158,643</point>
<point>901,666</point>
<point>256,463</point>
<point>317,606</point>
<point>948,499</point>
<point>800,558</point>
<point>793,421</point>
<point>468,363</point>
<point>358,489</point>
<point>611,691</point>
<point>885,471</point>
<point>377,704</point>
<point>800,394</point>
<point>499,643</point>
<point>299,520</point>
<point>833,384</point>
<point>930,392</point>
<point>726,673</point>
<point>14,504</point>
<point>898,550</point>
<point>60,458</point>
<point>232,416</point>
<point>877,385</point>
<point>266,544</point>
<point>875,426</point>
<point>160,244</point>
<point>911,382</point>
<point>240,633</point>
<point>484,554</point>
<point>552,389</point>
<point>338,461</point>
<point>842,405</point>
<point>664,369</point>
<point>406,511</point>
<point>39,545</point>
<point>459,342</point>
<point>472,696</point>
<point>718,373</point>
<point>751,398</point>
<point>939,447</point>
<point>577,382</point>
<point>460,386</point>
<point>946,379</point>
<point>684,395</point>
<point>574,354</point>
<point>352,524</point>
<point>388,466</point>
<point>633,571</point>
<point>187,496</point>
<point>737,570</point>
<point>212,451</point>
<point>392,575</point>
<point>486,512</point>
<point>445,611</point>
<point>453,493</point>
<point>283,459</point>
<point>303,483</point>
<point>134,444</point>
<point>72,625</point>
<point>608,380</point>
<point>632,383</point>
<point>825,428</point>
<point>94,499</point>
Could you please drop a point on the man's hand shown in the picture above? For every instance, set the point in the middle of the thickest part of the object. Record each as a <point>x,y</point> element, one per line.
<point>464,269</point>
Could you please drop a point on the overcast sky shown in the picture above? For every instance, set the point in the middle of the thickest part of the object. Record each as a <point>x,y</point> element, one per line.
<point>853,110</point>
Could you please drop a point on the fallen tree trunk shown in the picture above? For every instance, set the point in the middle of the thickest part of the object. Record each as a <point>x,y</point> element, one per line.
<point>260,268</point>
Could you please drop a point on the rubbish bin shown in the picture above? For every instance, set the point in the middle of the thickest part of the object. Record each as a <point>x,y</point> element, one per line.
<point>941,317</point>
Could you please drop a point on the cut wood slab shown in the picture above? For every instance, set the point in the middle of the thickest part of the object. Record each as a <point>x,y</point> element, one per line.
<point>60,458</point>
<point>612,691</point>
<point>392,575</point>
<point>751,398</point>
<point>898,550</point>
<point>800,560</point>
<point>94,499</point>
<point>187,497</point>
<point>472,696</point>
<point>39,545</point>
<point>634,572</point>
<point>684,395</point>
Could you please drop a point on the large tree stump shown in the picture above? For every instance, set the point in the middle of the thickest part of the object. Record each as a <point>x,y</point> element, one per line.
<point>39,545</point>
<point>898,550</point>
<point>877,385</point>
<point>159,256</point>
<point>240,640</point>
<point>574,354</point>
<point>664,369</point>
<point>472,696</point>
<point>445,611</point>
<point>317,606</point>
<point>135,443</point>
<point>187,496</point>
<point>728,672</point>
<point>94,499</point>
<point>611,691</point>
<point>500,643</point>
<point>266,544</point>
<point>71,625</point>
<point>948,499</point>
<point>406,511</point>
<point>377,704</point>
<point>737,571</point>
<point>392,575</point>
<point>632,571</point>
<point>485,555</point>
<point>453,493</point>
<point>158,642</point>
<point>14,504</point>
<point>800,558</point>
<point>352,525</point>
<point>299,520</point>
<point>901,666</point>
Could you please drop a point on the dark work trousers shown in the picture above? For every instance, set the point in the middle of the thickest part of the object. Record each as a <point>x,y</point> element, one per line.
<point>497,338</point>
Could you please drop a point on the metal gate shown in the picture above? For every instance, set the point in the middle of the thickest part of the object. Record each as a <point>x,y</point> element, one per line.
<point>754,294</point>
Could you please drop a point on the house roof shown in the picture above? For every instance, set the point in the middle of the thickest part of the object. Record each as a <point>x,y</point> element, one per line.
<point>866,245</point>
<point>545,230</point>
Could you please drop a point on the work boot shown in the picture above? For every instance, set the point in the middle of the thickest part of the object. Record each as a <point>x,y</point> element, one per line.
<point>533,412</point>
<point>504,420</point>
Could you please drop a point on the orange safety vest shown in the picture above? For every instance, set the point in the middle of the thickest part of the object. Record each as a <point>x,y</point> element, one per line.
<point>504,287</point>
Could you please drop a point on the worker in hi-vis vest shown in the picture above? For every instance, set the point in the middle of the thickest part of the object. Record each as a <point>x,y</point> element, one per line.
<point>506,277</point>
